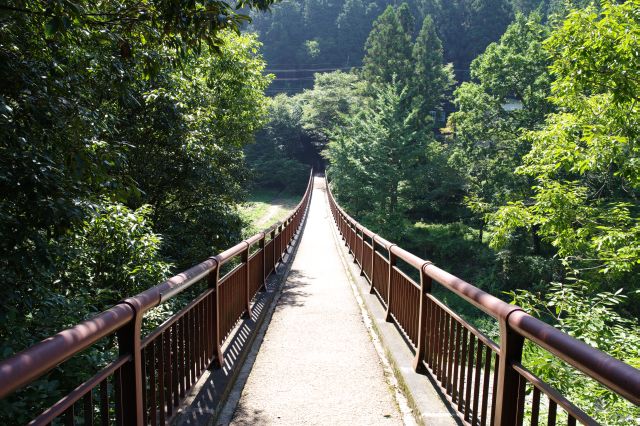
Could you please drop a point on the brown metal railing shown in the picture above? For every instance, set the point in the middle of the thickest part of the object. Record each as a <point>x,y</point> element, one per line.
<point>151,375</point>
<point>484,381</point>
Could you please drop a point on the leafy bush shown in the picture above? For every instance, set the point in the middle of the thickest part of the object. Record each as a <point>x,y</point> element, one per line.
<point>593,318</point>
<point>112,253</point>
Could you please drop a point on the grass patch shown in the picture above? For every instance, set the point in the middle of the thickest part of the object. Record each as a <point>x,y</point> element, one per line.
<point>264,208</point>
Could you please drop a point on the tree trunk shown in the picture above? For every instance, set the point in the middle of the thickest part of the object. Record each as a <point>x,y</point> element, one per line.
<point>536,240</point>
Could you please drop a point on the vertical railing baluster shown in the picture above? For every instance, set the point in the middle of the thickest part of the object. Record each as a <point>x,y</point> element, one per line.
<point>263,255</point>
<point>162,373</point>
<point>456,363</point>
<point>373,264</point>
<point>485,385</point>
<point>87,408</point>
<point>117,401</point>
<point>104,403</point>
<point>469,383</point>
<point>496,366</point>
<point>535,406</point>
<point>362,253</point>
<point>151,371</point>
<point>452,348</point>
<point>445,348</point>
<point>522,384</point>
<point>476,382</point>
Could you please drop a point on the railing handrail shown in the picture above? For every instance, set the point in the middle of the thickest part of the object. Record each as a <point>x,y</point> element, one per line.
<point>31,363</point>
<point>602,367</point>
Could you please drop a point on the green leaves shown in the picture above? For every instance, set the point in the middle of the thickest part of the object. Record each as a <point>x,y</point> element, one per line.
<point>118,162</point>
<point>585,158</point>
<point>388,50</point>
<point>593,317</point>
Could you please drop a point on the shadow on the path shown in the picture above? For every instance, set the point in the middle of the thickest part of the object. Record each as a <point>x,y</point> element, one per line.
<point>249,417</point>
<point>294,293</point>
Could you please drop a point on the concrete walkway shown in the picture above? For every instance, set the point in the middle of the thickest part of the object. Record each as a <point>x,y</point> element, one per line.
<point>317,363</point>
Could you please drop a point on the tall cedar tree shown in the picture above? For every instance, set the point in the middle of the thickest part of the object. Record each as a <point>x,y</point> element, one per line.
<point>388,50</point>
<point>431,79</point>
<point>375,158</point>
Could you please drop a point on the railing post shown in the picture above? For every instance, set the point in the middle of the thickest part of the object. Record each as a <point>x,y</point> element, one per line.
<point>263,255</point>
<point>425,288</point>
<point>392,263</point>
<point>355,240</point>
<point>280,234</point>
<point>212,279</point>
<point>287,233</point>
<point>372,289</point>
<point>247,281</point>
<point>131,373</point>
<point>273,252</point>
<point>362,253</point>
<point>507,397</point>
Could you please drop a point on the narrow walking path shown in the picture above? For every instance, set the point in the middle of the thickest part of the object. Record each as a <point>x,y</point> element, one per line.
<point>317,364</point>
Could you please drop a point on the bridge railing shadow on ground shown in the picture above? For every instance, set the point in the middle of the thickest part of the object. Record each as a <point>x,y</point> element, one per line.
<point>152,375</point>
<point>484,381</point>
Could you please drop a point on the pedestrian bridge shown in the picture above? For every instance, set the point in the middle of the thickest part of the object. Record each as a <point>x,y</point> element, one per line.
<point>316,320</point>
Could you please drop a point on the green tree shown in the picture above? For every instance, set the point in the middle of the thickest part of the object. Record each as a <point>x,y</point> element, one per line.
<point>182,25</point>
<point>276,158</point>
<point>388,50</point>
<point>585,158</point>
<point>105,143</point>
<point>283,33</point>
<point>198,122</point>
<point>374,159</point>
<point>467,27</point>
<point>407,20</point>
<point>508,97</point>
<point>324,107</point>
<point>353,26</point>
<point>431,80</point>
<point>594,318</point>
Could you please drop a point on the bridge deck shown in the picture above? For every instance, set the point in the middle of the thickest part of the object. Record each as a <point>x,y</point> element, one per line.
<point>317,363</point>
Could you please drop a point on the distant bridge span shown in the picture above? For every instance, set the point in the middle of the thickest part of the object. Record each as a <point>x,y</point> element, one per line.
<point>481,381</point>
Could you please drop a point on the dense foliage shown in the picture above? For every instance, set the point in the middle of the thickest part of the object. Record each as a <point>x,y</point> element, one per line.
<point>122,128</point>
<point>308,35</point>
